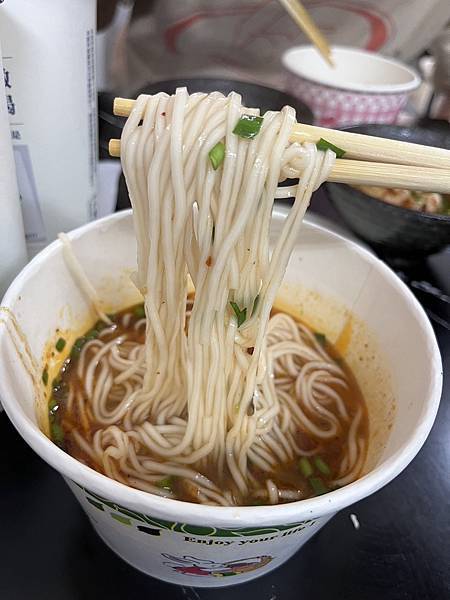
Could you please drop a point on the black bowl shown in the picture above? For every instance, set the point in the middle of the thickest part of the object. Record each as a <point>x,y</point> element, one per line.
<point>392,230</point>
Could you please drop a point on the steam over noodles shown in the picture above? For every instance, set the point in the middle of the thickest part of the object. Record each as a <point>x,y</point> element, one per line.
<point>221,402</point>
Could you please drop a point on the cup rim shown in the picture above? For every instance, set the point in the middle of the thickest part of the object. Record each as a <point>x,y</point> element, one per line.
<point>229,517</point>
<point>366,88</point>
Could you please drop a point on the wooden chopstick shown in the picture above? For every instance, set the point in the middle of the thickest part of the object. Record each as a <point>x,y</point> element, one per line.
<point>356,145</point>
<point>358,172</point>
<point>372,148</point>
<point>302,18</point>
<point>398,164</point>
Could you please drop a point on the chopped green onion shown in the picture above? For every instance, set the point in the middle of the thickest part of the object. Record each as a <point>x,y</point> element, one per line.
<point>57,434</point>
<point>139,311</point>
<point>305,467</point>
<point>255,304</point>
<point>324,145</point>
<point>92,334</point>
<point>248,126</point>
<point>79,342</point>
<point>322,466</point>
<point>53,406</point>
<point>321,338</point>
<point>100,325</point>
<point>241,315</point>
<point>318,486</point>
<point>217,155</point>
<point>77,347</point>
<point>45,376</point>
<point>60,344</point>
<point>166,483</point>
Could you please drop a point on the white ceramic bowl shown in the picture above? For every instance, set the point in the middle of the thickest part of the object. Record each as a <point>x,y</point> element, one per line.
<point>363,87</point>
<point>393,352</point>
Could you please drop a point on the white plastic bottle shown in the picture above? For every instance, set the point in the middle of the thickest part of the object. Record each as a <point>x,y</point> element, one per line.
<point>49,75</point>
<point>13,252</point>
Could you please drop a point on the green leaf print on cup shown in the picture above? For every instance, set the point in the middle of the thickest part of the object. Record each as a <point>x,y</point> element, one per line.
<point>120,519</point>
<point>128,517</point>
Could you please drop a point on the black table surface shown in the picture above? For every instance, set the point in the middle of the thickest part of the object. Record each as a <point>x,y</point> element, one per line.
<point>401,550</point>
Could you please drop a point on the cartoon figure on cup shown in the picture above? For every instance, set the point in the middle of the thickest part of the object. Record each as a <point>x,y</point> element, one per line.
<point>190,565</point>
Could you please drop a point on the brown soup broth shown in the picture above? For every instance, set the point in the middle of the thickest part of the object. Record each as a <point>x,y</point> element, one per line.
<point>287,476</point>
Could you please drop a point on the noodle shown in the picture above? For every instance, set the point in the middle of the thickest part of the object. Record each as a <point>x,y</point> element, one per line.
<point>218,384</point>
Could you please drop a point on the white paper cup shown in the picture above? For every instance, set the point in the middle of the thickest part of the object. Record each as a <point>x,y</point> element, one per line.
<point>363,87</point>
<point>196,545</point>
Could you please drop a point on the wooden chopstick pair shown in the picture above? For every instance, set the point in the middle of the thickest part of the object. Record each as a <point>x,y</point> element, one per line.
<point>369,160</point>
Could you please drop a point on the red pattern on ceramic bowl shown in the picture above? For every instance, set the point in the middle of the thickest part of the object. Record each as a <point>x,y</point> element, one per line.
<point>364,87</point>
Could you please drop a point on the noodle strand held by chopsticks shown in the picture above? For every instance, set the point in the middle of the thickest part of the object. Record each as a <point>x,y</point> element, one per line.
<point>205,395</point>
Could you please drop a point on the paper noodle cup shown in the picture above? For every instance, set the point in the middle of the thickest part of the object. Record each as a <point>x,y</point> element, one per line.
<point>333,285</point>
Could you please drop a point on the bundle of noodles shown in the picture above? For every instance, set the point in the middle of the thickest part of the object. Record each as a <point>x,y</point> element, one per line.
<point>218,387</point>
